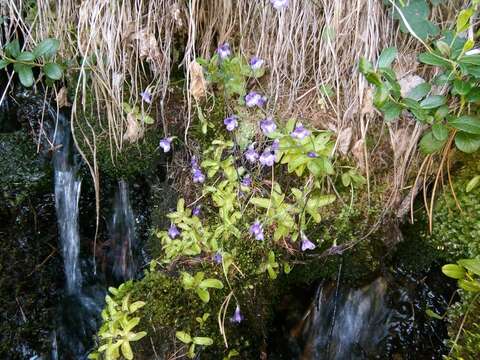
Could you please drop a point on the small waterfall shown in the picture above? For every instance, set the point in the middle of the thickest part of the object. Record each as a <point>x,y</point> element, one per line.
<point>122,235</point>
<point>347,323</point>
<point>67,195</point>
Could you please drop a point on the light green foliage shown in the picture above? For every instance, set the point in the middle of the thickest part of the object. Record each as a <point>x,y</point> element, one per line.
<point>138,114</point>
<point>192,341</point>
<point>466,272</point>
<point>200,285</point>
<point>24,61</point>
<point>230,74</point>
<point>416,14</point>
<point>270,266</point>
<point>117,333</point>
<point>455,114</point>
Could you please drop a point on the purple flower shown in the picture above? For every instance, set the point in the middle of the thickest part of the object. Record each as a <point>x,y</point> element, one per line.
<point>276,145</point>
<point>306,244</point>
<point>193,162</point>
<point>251,155</point>
<point>256,63</point>
<point>146,96</point>
<point>268,157</point>
<point>255,99</point>
<point>279,4</point>
<point>196,210</point>
<point>312,154</point>
<point>224,51</point>
<point>166,144</point>
<point>198,176</point>
<point>173,231</point>
<point>237,316</point>
<point>300,132</point>
<point>231,122</point>
<point>256,229</point>
<point>217,258</point>
<point>246,181</point>
<point>268,126</point>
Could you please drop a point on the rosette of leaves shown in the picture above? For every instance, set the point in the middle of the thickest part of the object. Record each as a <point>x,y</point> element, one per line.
<point>40,57</point>
<point>451,115</point>
<point>138,114</point>
<point>116,333</point>
<point>230,74</point>
<point>200,285</point>
<point>187,339</point>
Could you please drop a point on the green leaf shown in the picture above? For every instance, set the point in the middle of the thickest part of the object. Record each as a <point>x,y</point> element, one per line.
<point>466,123</point>
<point>463,19</point>
<point>127,350</point>
<point>53,71</point>
<point>433,59</point>
<point>183,337</point>
<point>473,183</point>
<point>472,265</point>
<point>365,66</point>
<point>148,120</point>
<point>433,315</point>
<point>440,132</point>
<point>260,202</point>
<point>432,102</point>
<point>443,47</point>
<point>470,59</point>
<point>471,286</point>
<point>47,47</point>
<point>474,95</point>
<point>454,271</point>
<point>391,111</point>
<point>387,57</point>
<point>429,144</point>
<point>12,49</point>
<point>136,305</point>
<point>204,341</point>
<point>467,143</point>
<point>419,91</point>
<point>137,336</point>
<point>461,87</point>
<point>211,283</point>
<point>25,74</point>
<point>203,294</point>
<point>3,64</point>
<point>26,56</point>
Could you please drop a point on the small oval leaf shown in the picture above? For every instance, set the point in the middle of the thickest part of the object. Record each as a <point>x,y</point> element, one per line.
<point>53,71</point>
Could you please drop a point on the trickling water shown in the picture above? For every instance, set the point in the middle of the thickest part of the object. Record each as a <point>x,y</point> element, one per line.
<point>67,195</point>
<point>122,234</point>
<point>347,324</point>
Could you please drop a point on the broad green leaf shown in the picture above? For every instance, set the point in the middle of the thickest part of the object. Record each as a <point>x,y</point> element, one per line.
<point>433,315</point>
<point>443,47</point>
<point>346,180</point>
<point>387,57</point>
<point>3,64</point>
<point>204,341</point>
<point>261,202</point>
<point>324,200</point>
<point>461,87</point>
<point>429,144</point>
<point>127,350</point>
<point>440,131</point>
<point>391,111</point>
<point>432,102</point>
<point>433,59</point>
<point>147,119</point>
<point>137,336</point>
<point>203,294</point>
<point>211,283</point>
<point>416,12</point>
<point>463,19</point>
<point>466,123</point>
<point>12,49</point>
<point>467,143</point>
<point>47,47</point>
<point>26,56</point>
<point>454,271</point>
<point>365,66</point>
<point>471,286</point>
<point>25,74</point>
<point>183,337</point>
<point>380,95</point>
<point>53,71</point>
<point>472,265</point>
<point>419,91</point>
<point>470,60</point>
<point>473,183</point>
<point>136,305</point>
<point>474,95</point>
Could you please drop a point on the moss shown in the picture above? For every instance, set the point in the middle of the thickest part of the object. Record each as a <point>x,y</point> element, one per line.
<point>22,170</point>
<point>456,232</point>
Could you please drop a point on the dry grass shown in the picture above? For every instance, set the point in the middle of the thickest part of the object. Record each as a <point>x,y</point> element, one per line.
<point>127,46</point>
